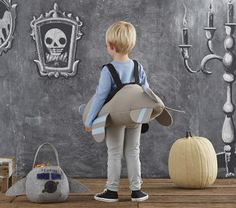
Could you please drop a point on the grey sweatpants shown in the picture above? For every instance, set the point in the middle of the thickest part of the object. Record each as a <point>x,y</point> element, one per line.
<point>122,141</point>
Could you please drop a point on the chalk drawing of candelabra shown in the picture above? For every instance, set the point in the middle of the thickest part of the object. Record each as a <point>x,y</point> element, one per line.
<point>227,158</point>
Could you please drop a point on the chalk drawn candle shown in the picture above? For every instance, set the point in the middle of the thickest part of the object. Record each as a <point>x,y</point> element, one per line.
<point>230,12</point>
<point>185,29</point>
<point>185,36</point>
<point>210,17</point>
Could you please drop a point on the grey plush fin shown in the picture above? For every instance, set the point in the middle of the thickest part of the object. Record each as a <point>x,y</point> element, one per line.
<point>76,186</point>
<point>98,128</point>
<point>141,115</point>
<point>17,189</point>
<point>165,118</point>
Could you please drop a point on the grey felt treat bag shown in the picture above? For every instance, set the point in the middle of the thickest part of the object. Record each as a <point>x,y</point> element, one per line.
<point>46,184</point>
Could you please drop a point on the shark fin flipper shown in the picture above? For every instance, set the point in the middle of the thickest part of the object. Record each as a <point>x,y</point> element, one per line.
<point>165,118</point>
<point>142,115</point>
<point>98,128</point>
<point>17,189</point>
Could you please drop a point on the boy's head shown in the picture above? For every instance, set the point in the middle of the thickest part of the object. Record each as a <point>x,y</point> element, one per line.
<point>121,36</point>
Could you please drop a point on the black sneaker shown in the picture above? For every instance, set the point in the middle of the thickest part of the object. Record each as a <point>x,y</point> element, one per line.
<point>138,196</point>
<point>107,196</point>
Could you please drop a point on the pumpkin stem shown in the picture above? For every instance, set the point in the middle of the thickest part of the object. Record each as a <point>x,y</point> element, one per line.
<point>188,134</point>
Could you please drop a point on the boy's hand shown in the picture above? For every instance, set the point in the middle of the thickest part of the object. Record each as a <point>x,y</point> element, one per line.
<point>87,129</point>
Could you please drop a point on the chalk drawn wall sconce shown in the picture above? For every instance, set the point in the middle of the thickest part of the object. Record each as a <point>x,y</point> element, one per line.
<point>227,158</point>
<point>7,24</point>
<point>56,34</point>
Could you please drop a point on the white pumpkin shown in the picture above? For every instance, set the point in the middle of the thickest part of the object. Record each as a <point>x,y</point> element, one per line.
<point>192,162</point>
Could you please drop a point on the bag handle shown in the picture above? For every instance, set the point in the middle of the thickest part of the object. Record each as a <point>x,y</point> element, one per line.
<point>53,148</point>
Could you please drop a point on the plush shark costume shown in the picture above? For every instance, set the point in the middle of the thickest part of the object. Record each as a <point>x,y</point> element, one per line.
<point>46,184</point>
<point>131,104</point>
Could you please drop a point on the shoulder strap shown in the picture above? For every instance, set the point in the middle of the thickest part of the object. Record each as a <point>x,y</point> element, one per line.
<point>114,75</point>
<point>136,77</point>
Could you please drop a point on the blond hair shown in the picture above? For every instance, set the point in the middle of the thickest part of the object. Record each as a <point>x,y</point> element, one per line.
<point>122,36</point>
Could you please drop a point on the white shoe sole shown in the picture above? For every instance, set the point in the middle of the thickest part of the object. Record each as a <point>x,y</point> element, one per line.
<point>139,199</point>
<point>105,200</point>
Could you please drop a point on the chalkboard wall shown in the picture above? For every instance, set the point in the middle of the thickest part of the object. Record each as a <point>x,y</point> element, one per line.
<point>36,109</point>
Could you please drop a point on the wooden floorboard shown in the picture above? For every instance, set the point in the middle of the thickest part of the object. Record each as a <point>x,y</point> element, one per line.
<point>186,205</point>
<point>162,194</point>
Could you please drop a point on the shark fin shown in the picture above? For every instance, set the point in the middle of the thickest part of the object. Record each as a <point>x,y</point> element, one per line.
<point>17,189</point>
<point>165,118</point>
<point>98,128</point>
<point>76,186</point>
<point>142,115</point>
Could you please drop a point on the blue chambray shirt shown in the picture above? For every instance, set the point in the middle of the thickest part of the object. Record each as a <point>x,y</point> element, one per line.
<point>106,84</point>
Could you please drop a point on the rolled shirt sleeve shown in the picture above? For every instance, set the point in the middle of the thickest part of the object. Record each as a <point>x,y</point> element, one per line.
<point>102,92</point>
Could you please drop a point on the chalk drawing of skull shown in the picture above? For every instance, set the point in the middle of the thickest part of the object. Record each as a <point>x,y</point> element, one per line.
<point>5,26</point>
<point>55,40</point>
<point>56,34</point>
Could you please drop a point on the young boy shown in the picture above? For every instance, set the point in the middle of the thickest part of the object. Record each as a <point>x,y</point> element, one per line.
<point>120,140</point>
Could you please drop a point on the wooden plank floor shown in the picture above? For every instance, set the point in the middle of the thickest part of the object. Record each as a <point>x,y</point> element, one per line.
<point>162,194</point>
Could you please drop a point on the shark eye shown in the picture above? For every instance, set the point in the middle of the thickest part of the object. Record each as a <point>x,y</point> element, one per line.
<point>55,176</point>
<point>43,176</point>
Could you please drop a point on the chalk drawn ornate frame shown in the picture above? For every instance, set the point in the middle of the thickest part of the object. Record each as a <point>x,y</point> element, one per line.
<point>6,45</point>
<point>59,18</point>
